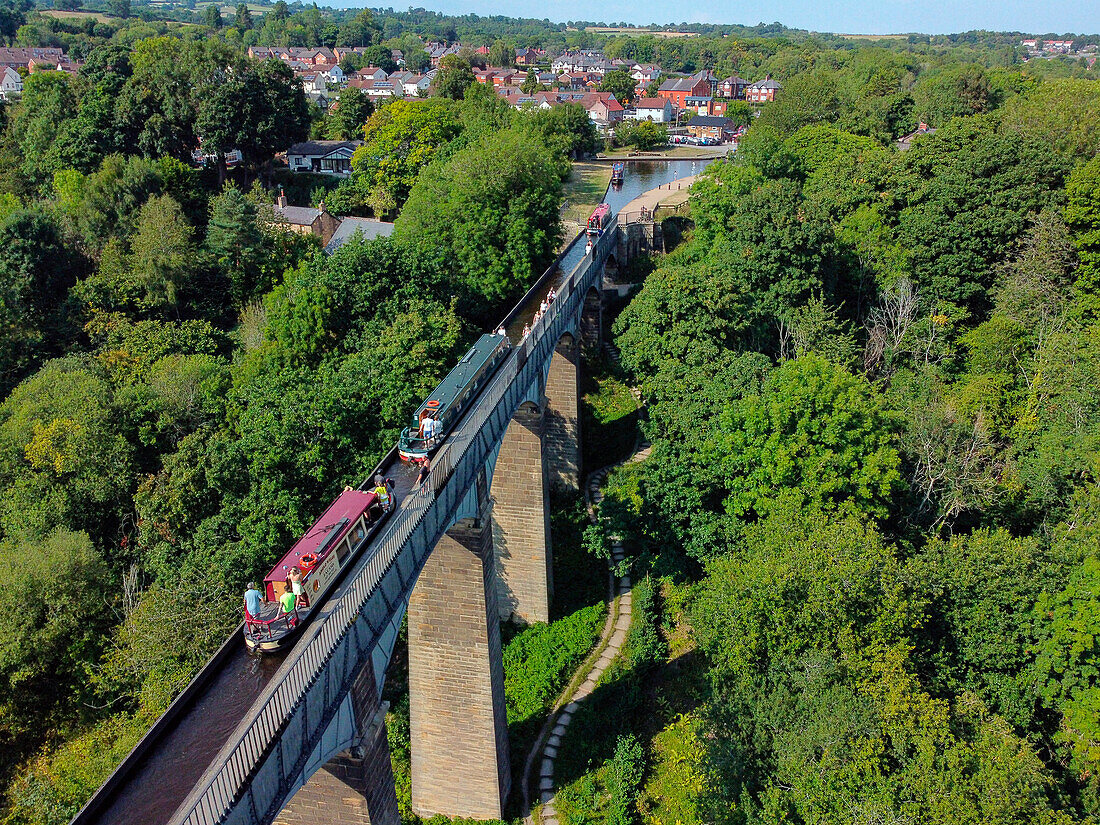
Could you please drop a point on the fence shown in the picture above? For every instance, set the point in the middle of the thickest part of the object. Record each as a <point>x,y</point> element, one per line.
<point>250,778</point>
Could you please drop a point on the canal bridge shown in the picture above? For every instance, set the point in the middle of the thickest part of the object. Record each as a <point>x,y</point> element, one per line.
<point>467,548</point>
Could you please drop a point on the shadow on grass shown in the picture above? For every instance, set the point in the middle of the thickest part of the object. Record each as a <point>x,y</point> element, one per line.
<point>628,701</point>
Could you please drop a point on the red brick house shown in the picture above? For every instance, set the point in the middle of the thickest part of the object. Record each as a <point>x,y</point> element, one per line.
<point>763,91</point>
<point>679,89</point>
<point>733,87</point>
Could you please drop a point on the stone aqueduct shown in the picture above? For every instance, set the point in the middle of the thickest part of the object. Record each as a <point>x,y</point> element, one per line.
<point>470,548</point>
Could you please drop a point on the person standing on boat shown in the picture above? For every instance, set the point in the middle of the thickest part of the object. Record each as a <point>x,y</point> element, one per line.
<point>288,603</point>
<point>383,493</point>
<point>253,600</point>
<point>294,579</point>
<point>425,468</point>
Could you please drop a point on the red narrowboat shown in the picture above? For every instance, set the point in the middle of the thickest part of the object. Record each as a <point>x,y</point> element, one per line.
<point>328,548</point>
<point>599,220</point>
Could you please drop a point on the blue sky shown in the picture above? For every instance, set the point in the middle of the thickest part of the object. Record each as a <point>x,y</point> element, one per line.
<point>846,16</point>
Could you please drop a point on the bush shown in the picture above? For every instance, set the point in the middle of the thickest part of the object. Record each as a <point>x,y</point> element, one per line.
<point>645,645</point>
<point>539,661</point>
<point>623,779</point>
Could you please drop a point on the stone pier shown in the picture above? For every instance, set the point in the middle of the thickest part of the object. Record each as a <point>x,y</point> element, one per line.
<point>562,425</point>
<point>521,519</point>
<point>458,719</point>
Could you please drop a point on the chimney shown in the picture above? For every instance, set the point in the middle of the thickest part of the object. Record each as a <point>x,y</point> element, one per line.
<point>281,200</point>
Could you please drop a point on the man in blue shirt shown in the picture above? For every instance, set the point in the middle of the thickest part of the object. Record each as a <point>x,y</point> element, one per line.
<point>253,600</point>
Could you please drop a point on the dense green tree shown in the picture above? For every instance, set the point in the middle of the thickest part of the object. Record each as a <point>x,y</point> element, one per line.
<point>805,99</point>
<point>644,134</point>
<point>494,207</point>
<point>454,78</point>
<point>58,610</point>
<point>243,19</point>
<point>815,432</point>
<point>968,192</point>
<point>1065,113</point>
<point>401,139</point>
<point>235,238</point>
<point>63,458</point>
<point>36,270</point>
<point>569,127</point>
<point>621,84</point>
<point>1083,220</point>
<point>164,253</point>
<point>954,92</point>
<point>982,590</point>
<point>260,111</point>
<point>212,16</point>
<point>346,119</point>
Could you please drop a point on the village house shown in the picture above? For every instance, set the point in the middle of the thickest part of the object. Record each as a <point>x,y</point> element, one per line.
<point>763,91</point>
<point>603,109</point>
<point>326,157</point>
<point>414,84</point>
<point>733,87</point>
<point>366,228</point>
<point>906,141</point>
<point>437,51</point>
<point>699,104</point>
<point>579,81</point>
<point>678,89</point>
<point>571,62</point>
<point>529,57</point>
<point>11,83</point>
<point>657,109</point>
<point>709,126</point>
<point>21,58</point>
<point>378,89</point>
<point>306,220</point>
<point>370,73</point>
<point>645,73</point>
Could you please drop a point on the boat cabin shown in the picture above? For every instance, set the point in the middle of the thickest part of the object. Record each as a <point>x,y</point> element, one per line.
<point>450,399</point>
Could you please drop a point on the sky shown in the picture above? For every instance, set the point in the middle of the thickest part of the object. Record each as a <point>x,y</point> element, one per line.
<point>842,16</point>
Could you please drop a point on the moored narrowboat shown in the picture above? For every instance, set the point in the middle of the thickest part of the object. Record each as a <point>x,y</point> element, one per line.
<point>439,412</point>
<point>316,560</point>
<point>599,219</point>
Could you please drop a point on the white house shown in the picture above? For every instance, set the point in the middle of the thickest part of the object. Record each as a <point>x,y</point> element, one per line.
<point>371,73</point>
<point>645,73</point>
<point>11,83</point>
<point>327,157</point>
<point>657,109</point>
<point>333,74</point>
<point>415,84</point>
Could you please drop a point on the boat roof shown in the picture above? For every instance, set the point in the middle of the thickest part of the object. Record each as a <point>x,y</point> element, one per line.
<point>461,375</point>
<point>339,516</point>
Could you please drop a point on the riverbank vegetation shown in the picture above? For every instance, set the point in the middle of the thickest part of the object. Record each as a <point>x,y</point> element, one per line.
<point>869,379</point>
